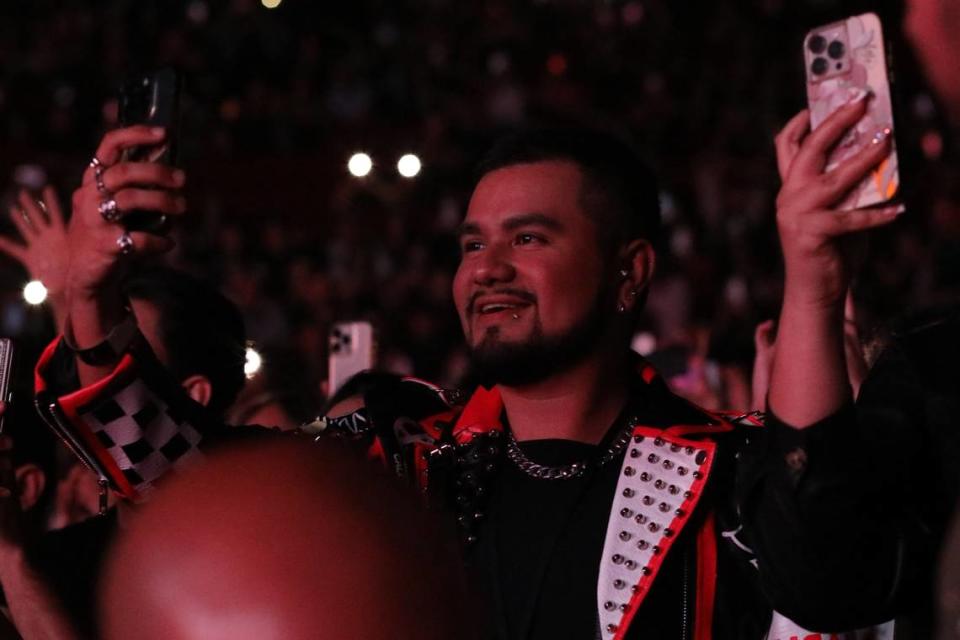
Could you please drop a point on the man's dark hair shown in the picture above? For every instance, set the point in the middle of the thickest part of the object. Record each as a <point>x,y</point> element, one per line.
<point>202,331</point>
<point>619,190</point>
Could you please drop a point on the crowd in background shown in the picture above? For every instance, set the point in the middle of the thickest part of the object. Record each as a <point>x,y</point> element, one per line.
<point>276,101</point>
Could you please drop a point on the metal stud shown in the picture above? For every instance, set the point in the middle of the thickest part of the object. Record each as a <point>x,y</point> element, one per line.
<point>668,532</point>
<point>689,451</point>
<point>629,493</point>
<point>643,545</point>
<point>646,571</point>
<point>634,589</point>
<point>653,527</point>
<point>626,513</point>
<point>697,475</point>
<point>638,439</point>
<point>641,519</point>
<point>659,484</point>
<point>617,558</point>
<point>679,513</point>
<point>609,606</point>
<point>624,607</point>
<point>674,448</point>
<point>664,507</point>
<point>673,490</point>
<point>656,550</point>
<point>645,476</point>
<point>701,457</point>
<point>648,500</point>
<point>668,464</point>
<point>658,442</point>
<point>634,453</point>
<point>611,628</point>
<point>653,458</point>
<point>625,536</point>
<point>630,564</point>
<point>629,471</point>
<point>688,494</point>
<point>619,584</point>
<point>682,471</point>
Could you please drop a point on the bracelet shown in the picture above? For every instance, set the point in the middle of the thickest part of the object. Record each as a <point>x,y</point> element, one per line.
<point>109,350</point>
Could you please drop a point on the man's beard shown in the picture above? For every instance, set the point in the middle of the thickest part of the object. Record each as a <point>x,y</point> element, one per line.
<point>520,363</point>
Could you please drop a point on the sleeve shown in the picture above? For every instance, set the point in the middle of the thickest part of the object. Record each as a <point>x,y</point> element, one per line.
<point>835,547</point>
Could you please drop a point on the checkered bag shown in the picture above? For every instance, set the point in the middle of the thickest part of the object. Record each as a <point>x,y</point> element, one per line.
<point>143,435</point>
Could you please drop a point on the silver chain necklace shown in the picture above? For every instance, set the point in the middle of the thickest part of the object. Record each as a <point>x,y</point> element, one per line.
<point>567,471</point>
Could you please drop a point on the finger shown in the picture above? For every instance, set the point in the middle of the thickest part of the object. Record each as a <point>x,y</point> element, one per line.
<point>145,244</point>
<point>838,223</point>
<point>834,184</point>
<point>787,142</point>
<point>13,249</point>
<point>19,219</point>
<point>114,142</point>
<point>32,211</point>
<point>150,200</point>
<point>812,156</point>
<point>763,334</point>
<point>144,174</point>
<point>849,308</point>
<point>52,202</point>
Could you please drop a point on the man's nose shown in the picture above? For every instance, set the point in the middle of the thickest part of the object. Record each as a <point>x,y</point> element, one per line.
<point>493,266</point>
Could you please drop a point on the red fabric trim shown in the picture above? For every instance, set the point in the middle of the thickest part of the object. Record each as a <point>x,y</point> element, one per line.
<point>420,465</point>
<point>706,579</point>
<point>480,415</point>
<point>688,506</point>
<point>375,452</point>
<point>39,382</point>
<point>696,429</point>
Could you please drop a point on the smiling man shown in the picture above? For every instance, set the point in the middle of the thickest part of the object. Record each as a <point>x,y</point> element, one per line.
<point>591,501</point>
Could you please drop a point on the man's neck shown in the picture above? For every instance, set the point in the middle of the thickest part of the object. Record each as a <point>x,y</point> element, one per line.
<point>579,404</point>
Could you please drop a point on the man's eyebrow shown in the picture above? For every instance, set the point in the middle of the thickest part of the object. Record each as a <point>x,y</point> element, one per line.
<point>468,229</point>
<point>532,220</point>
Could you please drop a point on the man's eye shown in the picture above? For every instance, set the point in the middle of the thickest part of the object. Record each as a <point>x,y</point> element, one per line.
<point>527,238</point>
<point>470,246</point>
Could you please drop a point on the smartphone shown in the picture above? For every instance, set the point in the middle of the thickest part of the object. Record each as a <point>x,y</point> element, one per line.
<point>152,99</point>
<point>841,58</point>
<point>352,350</point>
<point>6,371</point>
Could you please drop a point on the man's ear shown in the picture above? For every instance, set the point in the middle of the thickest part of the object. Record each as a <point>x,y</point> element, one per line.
<point>638,261</point>
<point>199,388</point>
<point>31,481</point>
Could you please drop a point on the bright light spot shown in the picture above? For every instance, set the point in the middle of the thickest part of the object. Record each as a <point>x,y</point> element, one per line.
<point>408,165</point>
<point>644,343</point>
<point>271,4</point>
<point>34,292</point>
<point>253,363</point>
<point>360,164</point>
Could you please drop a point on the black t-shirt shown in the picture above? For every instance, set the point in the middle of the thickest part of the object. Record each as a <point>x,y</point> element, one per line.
<point>537,556</point>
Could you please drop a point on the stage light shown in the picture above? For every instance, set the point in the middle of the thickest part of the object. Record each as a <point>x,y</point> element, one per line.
<point>271,4</point>
<point>34,292</point>
<point>360,164</point>
<point>253,362</point>
<point>408,165</point>
<point>644,343</point>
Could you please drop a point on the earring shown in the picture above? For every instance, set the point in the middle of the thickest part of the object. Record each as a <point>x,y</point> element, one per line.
<point>621,308</point>
<point>624,273</point>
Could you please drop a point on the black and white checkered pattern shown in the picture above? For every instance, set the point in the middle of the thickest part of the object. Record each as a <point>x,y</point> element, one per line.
<point>142,434</point>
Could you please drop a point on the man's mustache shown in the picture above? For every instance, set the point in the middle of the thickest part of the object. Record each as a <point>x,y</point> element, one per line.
<point>526,296</point>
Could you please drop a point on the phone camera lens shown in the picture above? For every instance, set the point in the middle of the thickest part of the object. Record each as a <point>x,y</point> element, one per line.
<point>819,66</point>
<point>836,50</point>
<point>817,44</point>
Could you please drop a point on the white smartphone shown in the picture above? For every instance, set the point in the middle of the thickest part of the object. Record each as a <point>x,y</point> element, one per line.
<point>352,350</point>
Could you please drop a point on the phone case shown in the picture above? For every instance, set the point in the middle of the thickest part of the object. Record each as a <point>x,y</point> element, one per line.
<point>840,59</point>
<point>352,350</point>
<point>6,371</point>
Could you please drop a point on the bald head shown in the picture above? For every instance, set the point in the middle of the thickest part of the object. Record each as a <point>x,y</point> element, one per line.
<point>284,539</point>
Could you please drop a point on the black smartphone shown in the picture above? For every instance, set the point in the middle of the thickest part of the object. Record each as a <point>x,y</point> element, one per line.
<point>152,99</point>
<point>6,371</point>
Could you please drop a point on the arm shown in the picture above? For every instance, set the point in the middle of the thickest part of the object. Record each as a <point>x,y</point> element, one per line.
<point>95,305</point>
<point>809,376</point>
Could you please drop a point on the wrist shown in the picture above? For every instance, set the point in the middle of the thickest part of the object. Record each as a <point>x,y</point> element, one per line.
<point>12,558</point>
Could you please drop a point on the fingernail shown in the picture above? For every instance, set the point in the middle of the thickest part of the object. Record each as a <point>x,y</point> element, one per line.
<point>856,95</point>
<point>881,135</point>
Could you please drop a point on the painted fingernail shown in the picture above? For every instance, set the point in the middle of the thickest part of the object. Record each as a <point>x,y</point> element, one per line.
<point>881,135</point>
<point>856,95</point>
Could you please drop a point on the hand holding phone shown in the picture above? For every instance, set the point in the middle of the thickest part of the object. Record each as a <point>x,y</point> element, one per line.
<point>843,60</point>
